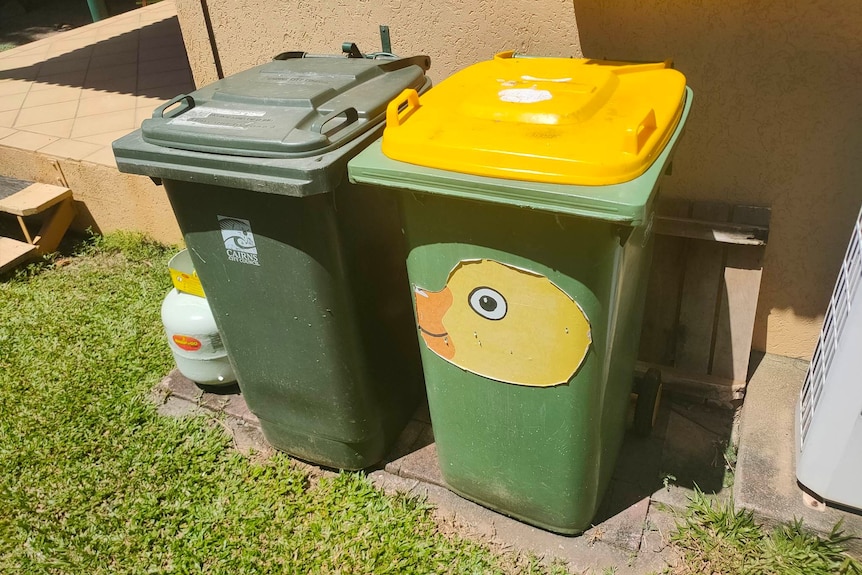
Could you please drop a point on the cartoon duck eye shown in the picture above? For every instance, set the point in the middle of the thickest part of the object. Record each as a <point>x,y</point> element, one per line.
<point>488,303</point>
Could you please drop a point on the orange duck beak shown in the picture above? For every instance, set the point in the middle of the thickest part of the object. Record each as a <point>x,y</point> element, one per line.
<point>430,309</point>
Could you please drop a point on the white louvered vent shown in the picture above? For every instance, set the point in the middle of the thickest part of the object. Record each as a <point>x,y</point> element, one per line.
<point>849,280</point>
<point>829,413</point>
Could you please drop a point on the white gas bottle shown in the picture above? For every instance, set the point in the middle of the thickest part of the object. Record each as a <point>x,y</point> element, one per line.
<point>194,339</point>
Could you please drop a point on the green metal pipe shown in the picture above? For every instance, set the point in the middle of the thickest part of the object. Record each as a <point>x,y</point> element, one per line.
<point>98,10</point>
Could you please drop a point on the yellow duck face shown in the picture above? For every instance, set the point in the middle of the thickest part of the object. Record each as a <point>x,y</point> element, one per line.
<point>504,323</point>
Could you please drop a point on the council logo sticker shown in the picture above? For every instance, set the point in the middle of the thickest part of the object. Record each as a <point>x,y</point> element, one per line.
<point>238,240</point>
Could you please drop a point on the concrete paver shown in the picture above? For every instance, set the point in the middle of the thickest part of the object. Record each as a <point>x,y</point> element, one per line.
<point>765,470</point>
<point>88,81</point>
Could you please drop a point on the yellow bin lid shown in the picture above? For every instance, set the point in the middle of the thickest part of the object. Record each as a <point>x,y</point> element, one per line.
<point>552,120</point>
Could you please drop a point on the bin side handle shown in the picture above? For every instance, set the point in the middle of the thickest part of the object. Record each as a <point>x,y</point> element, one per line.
<point>190,103</point>
<point>395,116</point>
<point>289,55</point>
<point>636,136</point>
<point>423,62</point>
<point>350,117</point>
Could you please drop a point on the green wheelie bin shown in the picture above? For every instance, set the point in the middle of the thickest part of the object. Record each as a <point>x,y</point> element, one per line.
<point>527,188</point>
<point>304,272</point>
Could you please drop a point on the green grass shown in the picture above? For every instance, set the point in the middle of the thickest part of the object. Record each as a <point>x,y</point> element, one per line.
<point>716,538</point>
<point>93,480</point>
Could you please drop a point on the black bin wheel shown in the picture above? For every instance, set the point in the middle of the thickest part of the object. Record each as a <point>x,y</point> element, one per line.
<point>649,397</point>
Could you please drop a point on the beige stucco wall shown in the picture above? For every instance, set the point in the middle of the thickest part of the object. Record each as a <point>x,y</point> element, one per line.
<point>777,118</point>
<point>453,32</point>
<point>105,199</point>
<point>196,38</point>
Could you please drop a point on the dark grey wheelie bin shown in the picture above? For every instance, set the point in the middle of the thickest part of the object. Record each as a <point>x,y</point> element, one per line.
<point>304,272</point>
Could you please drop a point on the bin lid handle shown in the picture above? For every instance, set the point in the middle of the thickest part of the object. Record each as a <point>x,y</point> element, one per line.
<point>190,103</point>
<point>350,116</point>
<point>289,55</point>
<point>402,107</point>
<point>637,134</point>
<point>422,61</point>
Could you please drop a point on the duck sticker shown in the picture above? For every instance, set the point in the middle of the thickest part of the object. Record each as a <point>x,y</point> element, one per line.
<point>504,323</point>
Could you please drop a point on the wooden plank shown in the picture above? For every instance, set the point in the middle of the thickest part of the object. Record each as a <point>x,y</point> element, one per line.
<point>24,229</point>
<point>54,227</point>
<point>736,313</point>
<point>738,304</point>
<point>700,386</point>
<point>728,233</point>
<point>658,335</point>
<point>703,274</point>
<point>34,199</point>
<point>13,252</point>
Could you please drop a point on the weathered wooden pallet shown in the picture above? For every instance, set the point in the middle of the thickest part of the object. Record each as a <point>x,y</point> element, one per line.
<point>24,199</point>
<point>702,296</point>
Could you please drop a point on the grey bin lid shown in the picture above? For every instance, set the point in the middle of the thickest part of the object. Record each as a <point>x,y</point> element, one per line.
<point>288,127</point>
<point>292,108</point>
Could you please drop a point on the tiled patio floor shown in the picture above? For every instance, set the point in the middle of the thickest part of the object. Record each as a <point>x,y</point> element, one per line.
<point>72,94</point>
